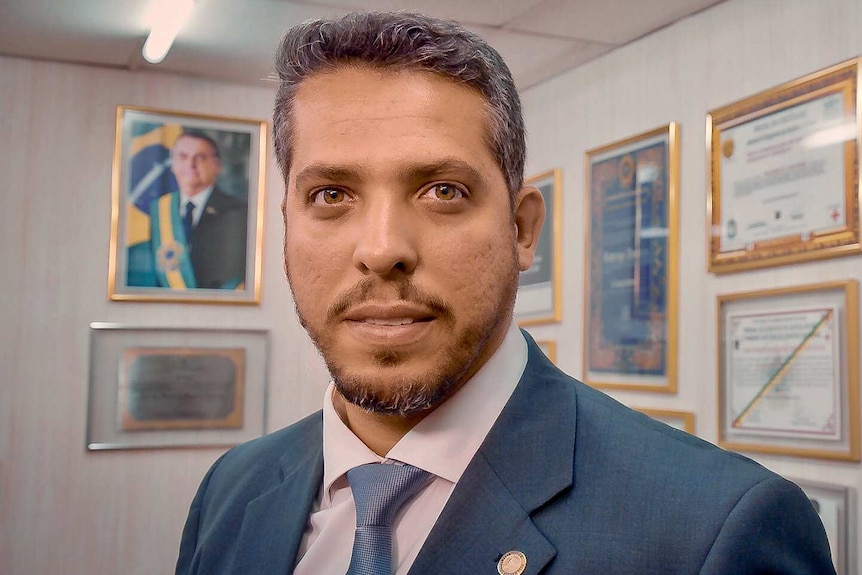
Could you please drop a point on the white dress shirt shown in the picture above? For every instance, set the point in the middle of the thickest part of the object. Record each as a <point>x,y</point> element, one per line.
<point>443,443</point>
<point>199,200</point>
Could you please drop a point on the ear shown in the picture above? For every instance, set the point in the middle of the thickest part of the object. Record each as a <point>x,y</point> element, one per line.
<point>529,217</point>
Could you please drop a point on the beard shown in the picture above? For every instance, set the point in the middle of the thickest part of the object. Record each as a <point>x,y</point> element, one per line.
<point>408,396</point>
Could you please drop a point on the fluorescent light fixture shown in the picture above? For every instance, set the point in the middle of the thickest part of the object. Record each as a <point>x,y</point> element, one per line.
<point>168,16</point>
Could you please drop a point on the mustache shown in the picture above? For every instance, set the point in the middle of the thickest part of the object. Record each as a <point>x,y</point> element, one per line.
<point>407,291</point>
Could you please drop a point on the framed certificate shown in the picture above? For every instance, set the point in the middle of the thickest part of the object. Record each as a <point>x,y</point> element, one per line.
<point>631,274</point>
<point>788,371</point>
<point>682,420</point>
<point>784,167</point>
<point>539,293</point>
<point>833,505</point>
<point>165,387</point>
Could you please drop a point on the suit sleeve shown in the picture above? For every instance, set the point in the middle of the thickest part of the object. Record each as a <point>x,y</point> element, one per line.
<point>187,562</point>
<point>772,529</point>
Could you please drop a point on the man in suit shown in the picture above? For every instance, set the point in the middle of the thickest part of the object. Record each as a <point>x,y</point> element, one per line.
<point>407,222</point>
<point>198,232</point>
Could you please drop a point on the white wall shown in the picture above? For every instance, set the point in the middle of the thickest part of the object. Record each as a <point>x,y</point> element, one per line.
<point>63,509</point>
<point>678,74</point>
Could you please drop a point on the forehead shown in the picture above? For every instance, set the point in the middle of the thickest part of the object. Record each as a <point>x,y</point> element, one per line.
<point>192,144</point>
<point>358,111</point>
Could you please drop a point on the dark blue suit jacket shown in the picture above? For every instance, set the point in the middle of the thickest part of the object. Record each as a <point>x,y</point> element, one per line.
<point>577,482</point>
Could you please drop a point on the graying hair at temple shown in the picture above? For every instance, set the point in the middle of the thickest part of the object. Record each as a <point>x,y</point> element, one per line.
<point>403,41</point>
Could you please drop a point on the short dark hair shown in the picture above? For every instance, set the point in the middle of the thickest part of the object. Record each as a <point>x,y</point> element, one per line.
<point>403,41</point>
<point>200,135</point>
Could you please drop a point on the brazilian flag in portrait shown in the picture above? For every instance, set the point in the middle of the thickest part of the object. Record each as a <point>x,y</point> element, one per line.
<point>150,178</point>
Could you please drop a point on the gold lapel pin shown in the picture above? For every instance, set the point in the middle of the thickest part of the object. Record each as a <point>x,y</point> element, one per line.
<point>512,563</point>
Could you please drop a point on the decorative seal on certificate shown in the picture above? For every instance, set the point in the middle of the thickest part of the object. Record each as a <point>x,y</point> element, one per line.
<point>727,147</point>
<point>626,171</point>
<point>512,563</point>
<point>168,256</point>
<point>731,228</point>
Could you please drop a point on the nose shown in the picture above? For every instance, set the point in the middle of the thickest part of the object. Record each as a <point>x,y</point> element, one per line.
<point>386,242</point>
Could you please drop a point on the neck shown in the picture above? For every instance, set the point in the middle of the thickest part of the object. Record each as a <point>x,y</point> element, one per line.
<point>190,193</point>
<point>379,432</point>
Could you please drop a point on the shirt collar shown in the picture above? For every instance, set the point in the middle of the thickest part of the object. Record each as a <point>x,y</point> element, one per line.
<point>199,199</point>
<point>445,441</point>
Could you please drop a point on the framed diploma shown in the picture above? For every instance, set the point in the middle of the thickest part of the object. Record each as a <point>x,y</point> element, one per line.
<point>788,371</point>
<point>164,387</point>
<point>631,274</point>
<point>784,173</point>
<point>682,420</point>
<point>833,505</point>
<point>539,293</point>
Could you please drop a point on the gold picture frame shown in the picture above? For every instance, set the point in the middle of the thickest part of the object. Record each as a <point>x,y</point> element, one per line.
<point>632,262</point>
<point>549,348</point>
<point>682,420</point>
<point>539,299</point>
<point>783,169</point>
<point>187,207</point>
<point>788,371</point>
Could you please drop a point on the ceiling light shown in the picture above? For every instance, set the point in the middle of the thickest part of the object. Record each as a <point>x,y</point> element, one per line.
<point>168,16</point>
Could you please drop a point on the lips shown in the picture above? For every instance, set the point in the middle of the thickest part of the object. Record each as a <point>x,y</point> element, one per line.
<point>389,325</point>
<point>389,314</point>
<point>394,321</point>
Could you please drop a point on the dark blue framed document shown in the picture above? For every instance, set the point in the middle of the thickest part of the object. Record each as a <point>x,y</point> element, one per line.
<point>630,325</point>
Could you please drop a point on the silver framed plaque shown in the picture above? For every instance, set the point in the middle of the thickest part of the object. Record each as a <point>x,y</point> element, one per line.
<point>169,387</point>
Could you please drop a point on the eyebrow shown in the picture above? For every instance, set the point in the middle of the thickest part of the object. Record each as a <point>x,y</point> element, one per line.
<point>412,172</point>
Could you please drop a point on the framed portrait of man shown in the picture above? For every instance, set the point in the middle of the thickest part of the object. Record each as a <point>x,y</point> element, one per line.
<point>186,219</point>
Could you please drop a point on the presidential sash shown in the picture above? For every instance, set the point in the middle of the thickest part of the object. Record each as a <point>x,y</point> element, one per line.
<point>170,245</point>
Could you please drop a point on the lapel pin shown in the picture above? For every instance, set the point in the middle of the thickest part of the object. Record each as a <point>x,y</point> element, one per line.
<point>512,563</point>
<point>211,210</point>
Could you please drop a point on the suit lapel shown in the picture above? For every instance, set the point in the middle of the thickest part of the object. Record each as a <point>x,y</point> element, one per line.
<point>274,523</point>
<point>524,462</point>
<point>480,523</point>
<point>212,209</point>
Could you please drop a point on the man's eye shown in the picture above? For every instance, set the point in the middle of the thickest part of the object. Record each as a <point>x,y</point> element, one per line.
<point>447,192</point>
<point>328,196</point>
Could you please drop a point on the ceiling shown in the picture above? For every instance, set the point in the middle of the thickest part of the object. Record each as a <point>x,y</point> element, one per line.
<point>234,40</point>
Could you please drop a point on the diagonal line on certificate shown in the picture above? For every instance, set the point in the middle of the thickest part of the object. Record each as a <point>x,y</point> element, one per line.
<point>782,369</point>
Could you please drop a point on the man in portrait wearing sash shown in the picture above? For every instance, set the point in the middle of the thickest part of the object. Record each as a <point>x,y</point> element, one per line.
<point>198,232</point>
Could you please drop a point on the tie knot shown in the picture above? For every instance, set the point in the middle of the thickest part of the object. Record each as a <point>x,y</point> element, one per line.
<point>379,490</point>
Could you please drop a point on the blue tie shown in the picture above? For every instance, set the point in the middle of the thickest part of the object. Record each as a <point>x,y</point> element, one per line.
<point>189,220</point>
<point>379,490</point>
